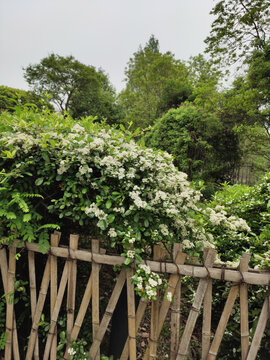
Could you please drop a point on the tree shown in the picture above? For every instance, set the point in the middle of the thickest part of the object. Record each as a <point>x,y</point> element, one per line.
<point>201,145</point>
<point>154,83</point>
<point>74,87</point>
<point>239,27</point>
<point>10,97</point>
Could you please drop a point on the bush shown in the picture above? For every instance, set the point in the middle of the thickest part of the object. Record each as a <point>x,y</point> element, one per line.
<point>201,146</point>
<point>90,178</point>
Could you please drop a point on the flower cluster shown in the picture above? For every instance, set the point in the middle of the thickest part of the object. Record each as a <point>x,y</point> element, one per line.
<point>147,282</point>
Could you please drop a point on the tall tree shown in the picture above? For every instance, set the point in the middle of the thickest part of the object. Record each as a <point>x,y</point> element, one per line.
<point>154,83</point>
<point>239,27</point>
<point>74,87</point>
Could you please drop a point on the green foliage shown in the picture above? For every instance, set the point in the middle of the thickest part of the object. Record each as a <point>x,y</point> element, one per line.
<point>9,98</point>
<point>253,205</point>
<point>238,28</point>
<point>74,87</point>
<point>201,145</point>
<point>154,82</point>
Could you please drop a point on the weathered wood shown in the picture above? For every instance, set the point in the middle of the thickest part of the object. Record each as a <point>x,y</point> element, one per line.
<point>39,307</point>
<point>54,242</point>
<point>175,309</point>
<point>207,314</point>
<point>33,293</point>
<point>213,351</point>
<point>139,315</point>
<point>165,305</point>
<point>82,311</point>
<point>71,291</point>
<point>257,338</point>
<point>56,310</point>
<point>131,316</point>
<point>10,302</point>
<point>254,277</point>
<point>108,314</point>
<point>158,255</point>
<point>194,312</point>
<point>243,290</point>
<point>95,294</point>
<point>4,272</point>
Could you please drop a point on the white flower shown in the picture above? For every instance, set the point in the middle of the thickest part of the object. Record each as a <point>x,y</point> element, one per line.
<point>152,282</point>
<point>130,254</point>
<point>169,296</point>
<point>71,351</point>
<point>112,233</point>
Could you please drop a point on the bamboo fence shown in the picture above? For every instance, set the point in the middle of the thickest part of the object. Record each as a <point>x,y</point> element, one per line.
<point>161,309</point>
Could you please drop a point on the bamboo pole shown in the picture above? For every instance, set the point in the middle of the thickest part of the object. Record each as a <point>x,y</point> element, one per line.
<point>108,314</point>
<point>40,304</point>
<point>54,242</point>
<point>213,351</point>
<point>71,291</point>
<point>256,341</point>
<point>174,279</point>
<point>54,316</point>
<point>207,314</point>
<point>243,290</point>
<point>131,316</point>
<point>10,302</point>
<point>253,277</point>
<point>175,310</point>
<point>82,311</point>
<point>157,256</point>
<point>139,315</point>
<point>4,272</point>
<point>95,294</point>
<point>33,293</point>
<point>194,312</point>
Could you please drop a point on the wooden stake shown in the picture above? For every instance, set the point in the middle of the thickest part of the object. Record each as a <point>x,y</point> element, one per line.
<point>71,292</point>
<point>95,294</point>
<point>139,315</point>
<point>174,279</point>
<point>108,314</point>
<point>4,272</point>
<point>243,267</point>
<point>257,338</point>
<point>54,242</point>
<point>194,312</point>
<point>10,302</point>
<point>131,316</point>
<point>82,311</point>
<point>54,316</point>
<point>175,310</point>
<point>33,293</point>
<point>223,322</point>
<point>40,304</point>
<point>207,313</point>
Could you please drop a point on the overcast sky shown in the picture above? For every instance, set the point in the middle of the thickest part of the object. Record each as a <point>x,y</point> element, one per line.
<point>102,33</point>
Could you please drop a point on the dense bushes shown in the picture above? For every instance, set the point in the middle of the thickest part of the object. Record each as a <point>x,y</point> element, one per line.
<point>200,144</point>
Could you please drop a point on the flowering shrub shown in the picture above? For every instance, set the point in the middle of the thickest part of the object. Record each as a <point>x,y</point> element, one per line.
<point>252,204</point>
<point>91,176</point>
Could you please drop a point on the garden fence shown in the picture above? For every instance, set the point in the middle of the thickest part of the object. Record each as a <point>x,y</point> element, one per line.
<point>160,308</point>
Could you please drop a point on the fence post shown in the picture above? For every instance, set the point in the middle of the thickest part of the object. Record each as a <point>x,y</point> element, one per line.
<point>243,267</point>
<point>53,293</point>
<point>95,294</point>
<point>10,302</point>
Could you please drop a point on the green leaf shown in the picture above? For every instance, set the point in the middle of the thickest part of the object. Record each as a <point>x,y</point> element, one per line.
<point>111,218</point>
<point>146,223</point>
<point>27,217</point>
<point>108,204</point>
<point>127,261</point>
<point>39,181</point>
<point>102,224</point>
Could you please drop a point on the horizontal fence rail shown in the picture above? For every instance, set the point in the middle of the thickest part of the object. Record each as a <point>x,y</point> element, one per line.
<point>54,285</point>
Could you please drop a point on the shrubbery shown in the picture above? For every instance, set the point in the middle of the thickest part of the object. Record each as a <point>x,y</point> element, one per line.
<point>88,176</point>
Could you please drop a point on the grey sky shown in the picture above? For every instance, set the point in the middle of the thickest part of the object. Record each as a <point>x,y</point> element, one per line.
<point>102,33</point>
